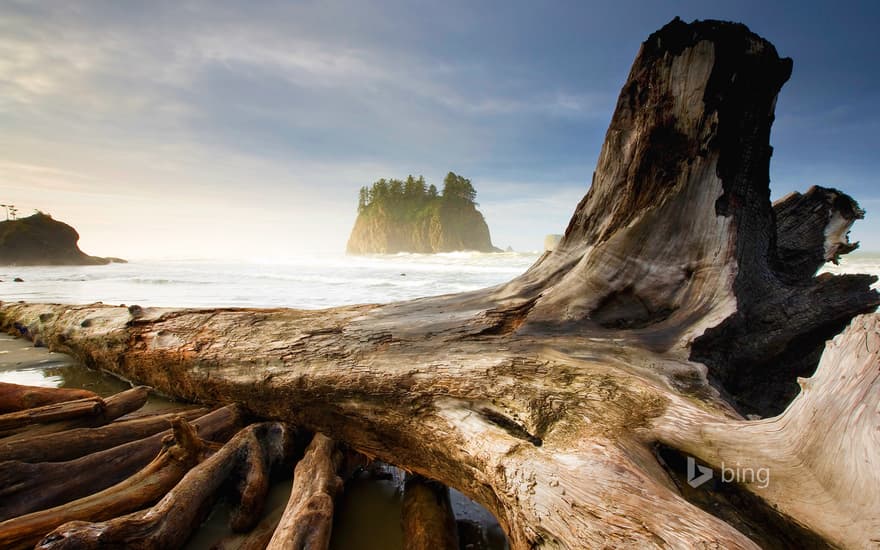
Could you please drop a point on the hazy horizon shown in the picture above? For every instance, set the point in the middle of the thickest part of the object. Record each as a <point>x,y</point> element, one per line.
<point>233,130</point>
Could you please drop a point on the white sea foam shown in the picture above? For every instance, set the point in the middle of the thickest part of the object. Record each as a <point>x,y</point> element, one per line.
<point>313,282</point>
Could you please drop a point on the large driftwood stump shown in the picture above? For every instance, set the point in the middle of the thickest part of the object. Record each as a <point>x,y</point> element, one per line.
<point>678,300</point>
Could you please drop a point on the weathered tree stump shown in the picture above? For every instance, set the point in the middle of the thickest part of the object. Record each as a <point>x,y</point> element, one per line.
<point>678,300</point>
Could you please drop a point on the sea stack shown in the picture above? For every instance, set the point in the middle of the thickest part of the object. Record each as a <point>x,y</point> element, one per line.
<point>409,216</point>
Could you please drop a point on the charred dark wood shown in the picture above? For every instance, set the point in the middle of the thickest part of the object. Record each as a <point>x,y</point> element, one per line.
<point>171,521</point>
<point>15,397</point>
<point>811,229</point>
<point>26,487</point>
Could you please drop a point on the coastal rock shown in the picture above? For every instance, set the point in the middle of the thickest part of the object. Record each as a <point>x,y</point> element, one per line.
<point>551,241</point>
<point>41,240</point>
<point>393,218</point>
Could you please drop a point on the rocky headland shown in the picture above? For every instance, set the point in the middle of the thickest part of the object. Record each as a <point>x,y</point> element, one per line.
<point>41,240</point>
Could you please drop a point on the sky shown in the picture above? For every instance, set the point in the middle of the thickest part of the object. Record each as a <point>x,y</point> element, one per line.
<point>243,129</point>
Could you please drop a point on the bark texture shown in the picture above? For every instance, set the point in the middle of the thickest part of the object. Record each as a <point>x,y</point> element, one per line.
<point>179,455</point>
<point>678,299</point>
<point>172,520</point>
<point>15,397</point>
<point>428,520</point>
<point>307,522</point>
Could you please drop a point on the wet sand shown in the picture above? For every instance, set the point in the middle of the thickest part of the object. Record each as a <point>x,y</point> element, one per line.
<point>22,363</point>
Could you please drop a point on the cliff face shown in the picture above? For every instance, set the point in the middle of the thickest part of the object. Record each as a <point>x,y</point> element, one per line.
<point>40,240</point>
<point>438,227</point>
<point>411,216</point>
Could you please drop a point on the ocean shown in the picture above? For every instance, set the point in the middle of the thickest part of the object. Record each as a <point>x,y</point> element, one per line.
<point>306,283</point>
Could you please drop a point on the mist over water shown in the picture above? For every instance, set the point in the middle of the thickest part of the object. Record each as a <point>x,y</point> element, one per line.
<point>307,283</point>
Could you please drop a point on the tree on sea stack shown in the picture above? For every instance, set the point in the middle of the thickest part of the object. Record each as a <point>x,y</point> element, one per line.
<point>569,400</point>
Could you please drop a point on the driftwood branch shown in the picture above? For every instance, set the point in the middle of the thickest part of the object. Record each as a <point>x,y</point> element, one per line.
<point>84,413</point>
<point>171,521</point>
<point>180,453</point>
<point>428,520</point>
<point>71,444</point>
<point>15,397</point>
<point>26,488</point>
<point>308,519</point>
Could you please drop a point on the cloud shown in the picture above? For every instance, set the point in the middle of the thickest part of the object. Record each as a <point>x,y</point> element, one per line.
<point>282,110</point>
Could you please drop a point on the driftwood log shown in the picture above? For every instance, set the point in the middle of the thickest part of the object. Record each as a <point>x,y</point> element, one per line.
<point>15,397</point>
<point>169,523</point>
<point>678,300</point>
<point>427,518</point>
<point>71,444</point>
<point>82,413</point>
<point>26,487</point>
<point>307,521</point>
<point>181,453</point>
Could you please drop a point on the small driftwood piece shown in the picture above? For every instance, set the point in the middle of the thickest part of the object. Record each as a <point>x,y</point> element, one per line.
<point>15,397</point>
<point>257,539</point>
<point>428,520</point>
<point>172,520</point>
<point>90,406</point>
<point>84,413</point>
<point>26,488</point>
<point>307,521</point>
<point>180,453</point>
<point>72,444</point>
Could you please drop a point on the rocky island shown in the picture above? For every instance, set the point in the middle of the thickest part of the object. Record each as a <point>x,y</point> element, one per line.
<point>410,216</point>
<point>41,240</point>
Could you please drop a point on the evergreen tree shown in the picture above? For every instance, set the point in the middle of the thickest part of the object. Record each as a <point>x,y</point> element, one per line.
<point>456,187</point>
<point>363,199</point>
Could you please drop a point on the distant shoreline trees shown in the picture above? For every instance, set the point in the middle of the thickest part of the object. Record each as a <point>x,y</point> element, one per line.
<point>413,194</point>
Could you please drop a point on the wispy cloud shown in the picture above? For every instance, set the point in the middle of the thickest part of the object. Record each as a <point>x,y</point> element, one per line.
<point>286,108</point>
